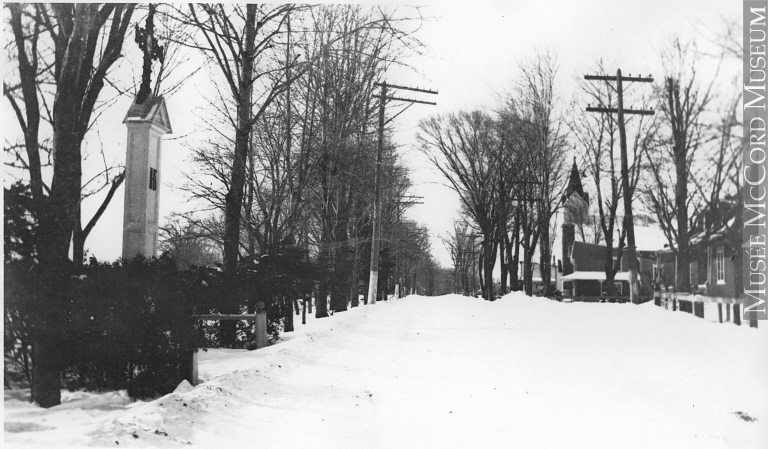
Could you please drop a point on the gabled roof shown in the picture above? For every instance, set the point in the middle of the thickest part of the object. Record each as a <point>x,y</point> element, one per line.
<point>705,237</point>
<point>152,110</point>
<point>582,250</point>
<point>595,276</point>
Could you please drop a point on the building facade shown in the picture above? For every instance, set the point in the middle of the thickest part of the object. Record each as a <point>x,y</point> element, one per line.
<point>714,263</point>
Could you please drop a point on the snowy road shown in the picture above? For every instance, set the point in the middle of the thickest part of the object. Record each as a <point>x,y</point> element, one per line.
<point>454,372</point>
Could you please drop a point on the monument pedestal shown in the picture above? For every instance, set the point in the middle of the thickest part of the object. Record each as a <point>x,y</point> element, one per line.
<point>146,123</point>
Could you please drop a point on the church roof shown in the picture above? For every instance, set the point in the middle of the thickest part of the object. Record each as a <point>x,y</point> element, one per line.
<point>152,110</point>
<point>574,184</point>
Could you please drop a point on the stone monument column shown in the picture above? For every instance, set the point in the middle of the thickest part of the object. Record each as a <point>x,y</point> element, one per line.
<point>146,123</point>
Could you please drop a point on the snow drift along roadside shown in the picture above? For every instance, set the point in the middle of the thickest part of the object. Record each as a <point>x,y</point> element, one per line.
<point>453,372</point>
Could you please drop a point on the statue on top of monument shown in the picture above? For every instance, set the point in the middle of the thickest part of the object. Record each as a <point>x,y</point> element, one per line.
<point>153,51</point>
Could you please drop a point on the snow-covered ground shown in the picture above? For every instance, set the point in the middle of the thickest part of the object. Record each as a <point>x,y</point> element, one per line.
<point>448,372</point>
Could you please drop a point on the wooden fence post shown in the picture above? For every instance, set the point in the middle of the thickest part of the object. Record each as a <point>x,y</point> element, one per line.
<point>261,325</point>
<point>698,309</point>
<point>736,315</point>
<point>287,308</point>
<point>194,378</point>
<point>720,312</point>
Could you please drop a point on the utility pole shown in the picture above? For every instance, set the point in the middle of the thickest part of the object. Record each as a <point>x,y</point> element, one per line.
<point>628,216</point>
<point>373,279</point>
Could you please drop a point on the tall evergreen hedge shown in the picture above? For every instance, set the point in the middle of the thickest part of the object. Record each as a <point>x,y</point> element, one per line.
<point>130,325</point>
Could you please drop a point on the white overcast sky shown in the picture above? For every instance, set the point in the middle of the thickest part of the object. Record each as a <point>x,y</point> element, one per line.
<point>473,52</point>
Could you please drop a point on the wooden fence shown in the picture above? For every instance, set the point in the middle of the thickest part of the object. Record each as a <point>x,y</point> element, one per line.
<point>728,309</point>
<point>612,299</point>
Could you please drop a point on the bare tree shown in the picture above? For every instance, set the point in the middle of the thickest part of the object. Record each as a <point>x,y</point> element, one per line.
<point>227,35</point>
<point>279,137</point>
<point>85,41</point>
<point>464,147</point>
<point>188,243</point>
<point>37,62</point>
<point>669,192</point>
<point>537,135</point>
<point>460,248</point>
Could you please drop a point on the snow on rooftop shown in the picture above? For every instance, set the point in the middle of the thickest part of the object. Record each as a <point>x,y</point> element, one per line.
<point>595,276</point>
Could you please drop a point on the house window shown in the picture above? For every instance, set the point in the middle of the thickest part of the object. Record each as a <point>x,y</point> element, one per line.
<point>720,266</point>
<point>152,179</point>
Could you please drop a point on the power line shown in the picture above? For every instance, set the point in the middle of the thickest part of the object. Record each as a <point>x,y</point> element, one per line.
<point>630,78</point>
<point>413,89</point>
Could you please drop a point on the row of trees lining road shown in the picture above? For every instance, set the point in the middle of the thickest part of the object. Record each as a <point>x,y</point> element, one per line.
<point>508,170</point>
<point>460,246</point>
<point>285,169</point>
<point>298,174</point>
<point>508,167</point>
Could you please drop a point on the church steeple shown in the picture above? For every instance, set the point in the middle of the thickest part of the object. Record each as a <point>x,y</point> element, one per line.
<point>574,184</point>
<point>575,202</point>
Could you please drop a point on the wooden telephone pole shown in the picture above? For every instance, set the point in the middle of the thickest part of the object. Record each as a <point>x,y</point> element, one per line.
<point>628,216</point>
<point>373,279</point>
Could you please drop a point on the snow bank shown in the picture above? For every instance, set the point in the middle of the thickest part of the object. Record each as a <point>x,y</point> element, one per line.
<point>449,372</point>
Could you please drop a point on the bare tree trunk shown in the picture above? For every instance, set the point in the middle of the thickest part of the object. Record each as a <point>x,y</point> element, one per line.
<point>503,260</point>
<point>321,301</point>
<point>527,272</point>
<point>681,201</point>
<point>78,84</point>
<point>545,257</point>
<point>287,303</point>
<point>514,277</point>
<point>353,285</point>
<point>489,261</point>
<point>234,199</point>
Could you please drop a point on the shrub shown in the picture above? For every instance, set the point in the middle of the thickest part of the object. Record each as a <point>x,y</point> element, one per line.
<point>130,325</point>
<point>121,327</point>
